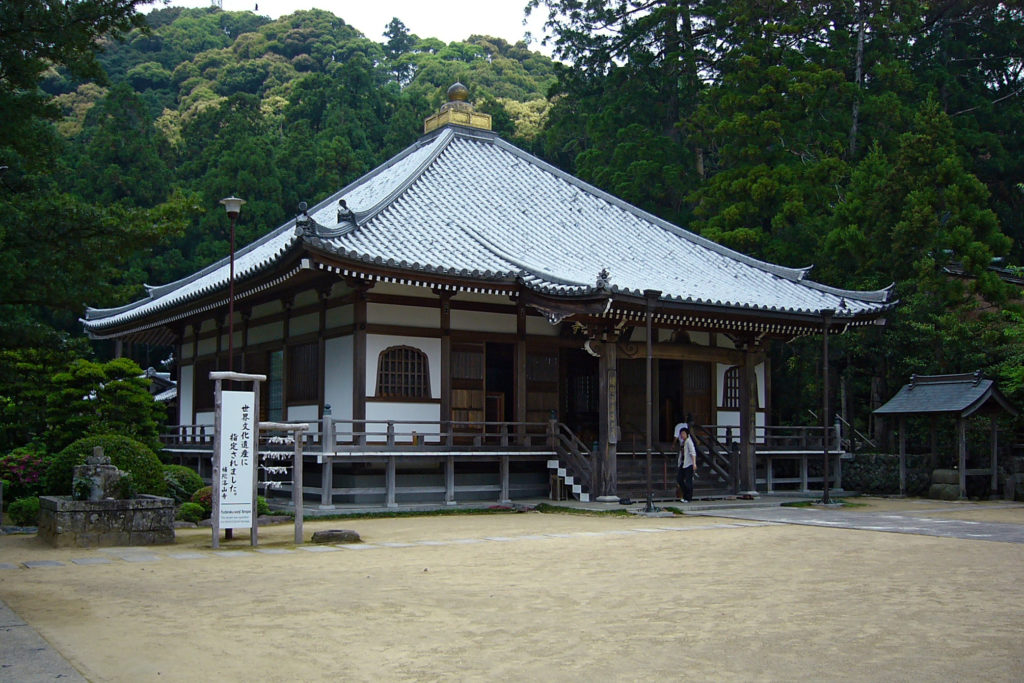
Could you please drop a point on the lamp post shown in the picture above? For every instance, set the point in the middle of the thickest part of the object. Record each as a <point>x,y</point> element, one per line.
<point>233,205</point>
<point>826,323</point>
<point>651,297</point>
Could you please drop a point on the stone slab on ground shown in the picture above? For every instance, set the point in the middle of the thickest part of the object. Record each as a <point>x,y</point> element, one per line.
<point>27,658</point>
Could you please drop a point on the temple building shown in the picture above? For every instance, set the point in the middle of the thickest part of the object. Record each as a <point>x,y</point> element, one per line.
<point>467,303</point>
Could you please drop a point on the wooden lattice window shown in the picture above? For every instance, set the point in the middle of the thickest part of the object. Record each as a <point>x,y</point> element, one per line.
<point>731,388</point>
<point>303,373</point>
<point>403,372</point>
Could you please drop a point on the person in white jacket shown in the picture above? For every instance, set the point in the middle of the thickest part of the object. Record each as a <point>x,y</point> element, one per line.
<point>687,462</point>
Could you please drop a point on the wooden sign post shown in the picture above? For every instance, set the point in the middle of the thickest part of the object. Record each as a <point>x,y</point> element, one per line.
<point>235,455</point>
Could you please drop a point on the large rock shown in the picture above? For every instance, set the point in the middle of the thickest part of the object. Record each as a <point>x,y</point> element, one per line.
<point>946,477</point>
<point>944,491</point>
<point>336,536</point>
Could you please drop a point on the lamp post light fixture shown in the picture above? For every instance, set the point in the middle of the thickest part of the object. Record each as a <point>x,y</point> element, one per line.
<point>233,205</point>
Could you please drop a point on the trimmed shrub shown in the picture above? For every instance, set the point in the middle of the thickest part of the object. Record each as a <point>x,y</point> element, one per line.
<point>129,455</point>
<point>181,482</point>
<point>23,470</point>
<point>204,497</point>
<point>191,512</point>
<point>24,511</point>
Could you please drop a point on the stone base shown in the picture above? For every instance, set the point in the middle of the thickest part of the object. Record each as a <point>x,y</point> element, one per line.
<point>143,520</point>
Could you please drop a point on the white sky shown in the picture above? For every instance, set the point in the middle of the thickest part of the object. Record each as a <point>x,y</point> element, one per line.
<point>452,20</point>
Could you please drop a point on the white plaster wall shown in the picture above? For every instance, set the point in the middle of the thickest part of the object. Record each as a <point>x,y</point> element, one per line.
<point>185,394</point>
<point>309,414</point>
<point>375,343</point>
<point>338,376</point>
<point>731,418</point>
<point>304,324</point>
<point>482,298</point>
<point>394,314</point>
<point>414,412</point>
<point>758,373</point>
<point>205,419</point>
<point>339,316</point>
<point>702,338</point>
<point>306,297</point>
<point>266,333</point>
<point>404,290</point>
<point>536,325</point>
<point>267,309</point>
<point>207,346</point>
<point>484,322</point>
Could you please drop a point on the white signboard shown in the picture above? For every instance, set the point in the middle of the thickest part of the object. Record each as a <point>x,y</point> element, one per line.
<point>237,459</point>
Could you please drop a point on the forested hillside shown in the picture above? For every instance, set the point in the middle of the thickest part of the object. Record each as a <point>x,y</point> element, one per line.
<point>209,104</point>
<point>880,140</point>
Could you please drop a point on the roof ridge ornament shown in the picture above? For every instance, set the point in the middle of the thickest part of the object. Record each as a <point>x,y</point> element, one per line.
<point>458,111</point>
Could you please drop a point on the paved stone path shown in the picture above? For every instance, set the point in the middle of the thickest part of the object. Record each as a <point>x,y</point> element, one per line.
<point>916,522</point>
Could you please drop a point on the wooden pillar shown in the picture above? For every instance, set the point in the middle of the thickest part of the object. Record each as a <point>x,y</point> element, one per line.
<point>359,362</point>
<point>903,455</point>
<point>933,457</point>
<point>748,424</point>
<point>323,293</point>
<point>246,314</point>
<point>608,427</point>
<point>446,360</point>
<point>961,447</point>
<point>520,370</point>
<point>995,459</point>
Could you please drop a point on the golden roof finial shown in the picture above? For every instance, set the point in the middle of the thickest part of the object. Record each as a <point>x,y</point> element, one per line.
<point>457,110</point>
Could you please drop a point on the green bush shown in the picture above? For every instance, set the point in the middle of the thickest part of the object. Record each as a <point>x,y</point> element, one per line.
<point>191,512</point>
<point>23,470</point>
<point>262,506</point>
<point>204,497</point>
<point>129,455</point>
<point>181,482</point>
<point>24,511</point>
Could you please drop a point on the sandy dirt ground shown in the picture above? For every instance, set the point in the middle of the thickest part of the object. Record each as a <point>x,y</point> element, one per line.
<point>536,596</point>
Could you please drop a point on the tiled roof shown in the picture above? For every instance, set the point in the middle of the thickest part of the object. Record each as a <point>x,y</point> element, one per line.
<point>467,204</point>
<point>962,394</point>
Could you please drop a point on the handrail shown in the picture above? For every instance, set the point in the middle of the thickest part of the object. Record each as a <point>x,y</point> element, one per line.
<point>839,418</point>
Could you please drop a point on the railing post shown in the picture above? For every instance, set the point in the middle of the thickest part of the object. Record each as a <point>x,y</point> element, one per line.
<point>504,434</point>
<point>391,434</point>
<point>297,485</point>
<point>734,464</point>
<point>504,481</point>
<point>449,480</point>
<point>328,437</point>
<point>327,447</point>
<point>552,434</point>
<point>838,435</point>
<point>390,483</point>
